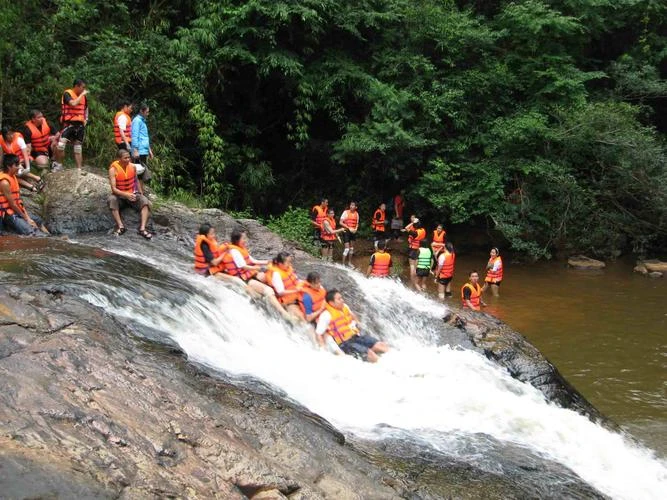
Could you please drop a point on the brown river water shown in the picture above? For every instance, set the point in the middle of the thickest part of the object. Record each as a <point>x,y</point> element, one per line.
<point>606,331</point>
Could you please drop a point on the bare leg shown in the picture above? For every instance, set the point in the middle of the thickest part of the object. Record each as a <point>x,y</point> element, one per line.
<point>78,156</point>
<point>441,291</point>
<point>144,217</point>
<point>116,217</point>
<point>413,272</point>
<point>495,290</point>
<point>380,347</point>
<point>295,311</point>
<point>371,357</point>
<point>233,280</point>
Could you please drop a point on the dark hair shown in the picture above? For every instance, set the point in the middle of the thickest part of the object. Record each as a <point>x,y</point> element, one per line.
<point>382,245</point>
<point>78,81</point>
<point>449,246</point>
<point>313,277</point>
<point>35,112</point>
<point>496,249</point>
<point>323,200</point>
<point>6,130</point>
<point>473,271</point>
<point>331,294</point>
<point>143,107</point>
<point>281,258</point>
<point>355,203</point>
<point>205,228</point>
<point>236,236</point>
<point>121,152</point>
<point>124,102</point>
<point>417,224</point>
<point>423,243</point>
<point>8,161</point>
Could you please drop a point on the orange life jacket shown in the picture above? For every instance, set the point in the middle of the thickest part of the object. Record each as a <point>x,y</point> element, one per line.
<point>378,220</point>
<point>128,127</point>
<point>351,219</point>
<point>317,296</point>
<point>14,189</point>
<point>381,261</point>
<point>201,266</point>
<point>447,269</point>
<point>13,147</point>
<point>39,138</point>
<point>71,113</point>
<point>125,179</point>
<point>290,282</point>
<point>414,241</point>
<point>438,241</point>
<point>340,326</point>
<point>329,236</point>
<point>229,266</point>
<point>494,276</point>
<point>475,296</point>
<point>320,216</point>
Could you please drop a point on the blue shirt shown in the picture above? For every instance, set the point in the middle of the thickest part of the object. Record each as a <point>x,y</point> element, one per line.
<point>140,139</point>
<point>307,303</point>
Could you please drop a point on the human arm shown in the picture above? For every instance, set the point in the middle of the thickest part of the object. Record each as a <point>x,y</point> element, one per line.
<point>208,255</point>
<point>370,265</point>
<point>74,101</point>
<point>25,152</point>
<point>322,327</point>
<point>117,192</point>
<point>240,262</point>
<point>313,217</point>
<point>135,134</point>
<point>466,297</point>
<point>311,315</point>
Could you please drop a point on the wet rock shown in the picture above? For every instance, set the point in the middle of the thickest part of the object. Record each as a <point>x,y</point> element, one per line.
<point>583,262</point>
<point>641,269</point>
<point>655,274</point>
<point>655,266</point>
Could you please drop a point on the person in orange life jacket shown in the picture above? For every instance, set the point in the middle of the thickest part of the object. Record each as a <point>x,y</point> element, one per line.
<point>379,224</point>
<point>12,143</point>
<point>317,215</point>
<point>349,220</point>
<point>341,324</point>
<point>126,191</point>
<point>329,234</point>
<point>380,262</point>
<point>494,272</point>
<point>122,126</point>
<point>439,239</point>
<point>416,233</point>
<point>424,265</point>
<point>312,297</point>
<point>444,271</point>
<point>41,138</point>
<point>285,283</point>
<point>471,293</point>
<point>12,212</point>
<point>73,119</point>
<point>209,256</point>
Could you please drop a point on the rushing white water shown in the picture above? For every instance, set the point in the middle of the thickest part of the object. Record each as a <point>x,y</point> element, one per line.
<point>432,392</point>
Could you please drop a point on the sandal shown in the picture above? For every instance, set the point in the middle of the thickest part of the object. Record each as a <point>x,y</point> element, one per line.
<point>144,233</point>
<point>119,231</point>
<point>40,185</point>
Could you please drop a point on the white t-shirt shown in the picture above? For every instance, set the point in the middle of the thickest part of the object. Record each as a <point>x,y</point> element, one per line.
<point>122,123</point>
<point>238,258</point>
<point>21,142</point>
<point>277,283</point>
<point>323,322</point>
<point>496,265</point>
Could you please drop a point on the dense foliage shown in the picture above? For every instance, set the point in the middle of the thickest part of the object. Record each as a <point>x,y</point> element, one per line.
<point>543,119</point>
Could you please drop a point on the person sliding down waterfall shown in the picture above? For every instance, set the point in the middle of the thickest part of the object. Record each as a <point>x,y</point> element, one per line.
<point>281,277</point>
<point>338,322</point>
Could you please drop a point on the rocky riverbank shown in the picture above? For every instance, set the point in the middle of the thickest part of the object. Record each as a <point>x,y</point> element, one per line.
<point>90,410</point>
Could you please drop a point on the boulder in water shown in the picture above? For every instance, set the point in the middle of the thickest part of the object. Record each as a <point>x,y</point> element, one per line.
<point>641,269</point>
<point>655,266</point>
<point>655,274</point>
<point>583,262</point>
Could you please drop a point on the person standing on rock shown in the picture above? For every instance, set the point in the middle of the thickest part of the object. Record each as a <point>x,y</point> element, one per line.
<point>122,126</point>
<point>329,235</point>
<point>126,191</point>
<point>349,220</point>
<point>141,142</point>
<point>471,293</point>
<point>494,272</point>
<point>341,324</point>
<point>317,215</point>
<point>73,120</point>
<point>445,271</point>
<point>12,212</point>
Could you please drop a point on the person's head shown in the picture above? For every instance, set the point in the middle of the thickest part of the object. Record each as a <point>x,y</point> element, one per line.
<point>449,247</point>
<point>324,202</point>
<point>383,206</point>
<point>314,279</point>
<point>334,298</point>
<point>238,237</point>
<point>7,133</point>
<point>438,227</point>
<point>125,105</point>
<point>206,229</point>
<point>473,277</point>
<point>353,206</point>
<point>123,157</point>
<point>417,224</point>
<point>382,245</point>
<point>495,252</point>
<point>36,117</point>
<point>283,260</point>
<point>413,218</point>
<point>79,85</point>
<point>10,164</point>
<point>331,212</point>
<point>424,243</point>
<point>144,109</point>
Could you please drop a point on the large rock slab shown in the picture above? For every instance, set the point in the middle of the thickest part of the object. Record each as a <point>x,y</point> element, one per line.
<point>583,262</point>
<point>655,266</point>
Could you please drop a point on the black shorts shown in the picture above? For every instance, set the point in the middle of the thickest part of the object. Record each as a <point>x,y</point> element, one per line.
<point>349,237</point>
<point>379,235</point>
<point>35,154</point>
<point>121,145</point>
<point>445,281</point>
<point>327,243</point>
<point>422,273</point>
<point>413,253</point>
<point>489,283</point>
<point>73,131</point>
<point>358,346</point>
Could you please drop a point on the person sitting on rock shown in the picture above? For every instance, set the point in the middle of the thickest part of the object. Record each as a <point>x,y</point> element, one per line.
<point>338,322</point>
<point>12,212</point>
<point>281,277</point>
<point>126,191</point>
<point>13,143</point>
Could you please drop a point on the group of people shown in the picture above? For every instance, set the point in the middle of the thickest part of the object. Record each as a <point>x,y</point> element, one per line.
<point>435,257</point>
<point>331,321</point>
<point>39,143</point>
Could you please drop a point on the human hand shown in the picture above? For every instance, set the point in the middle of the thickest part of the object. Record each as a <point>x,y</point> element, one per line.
<point>31,222</point>
<point>132,197</point>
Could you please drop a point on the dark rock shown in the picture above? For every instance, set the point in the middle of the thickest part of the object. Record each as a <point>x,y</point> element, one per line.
<point>583,262</point>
